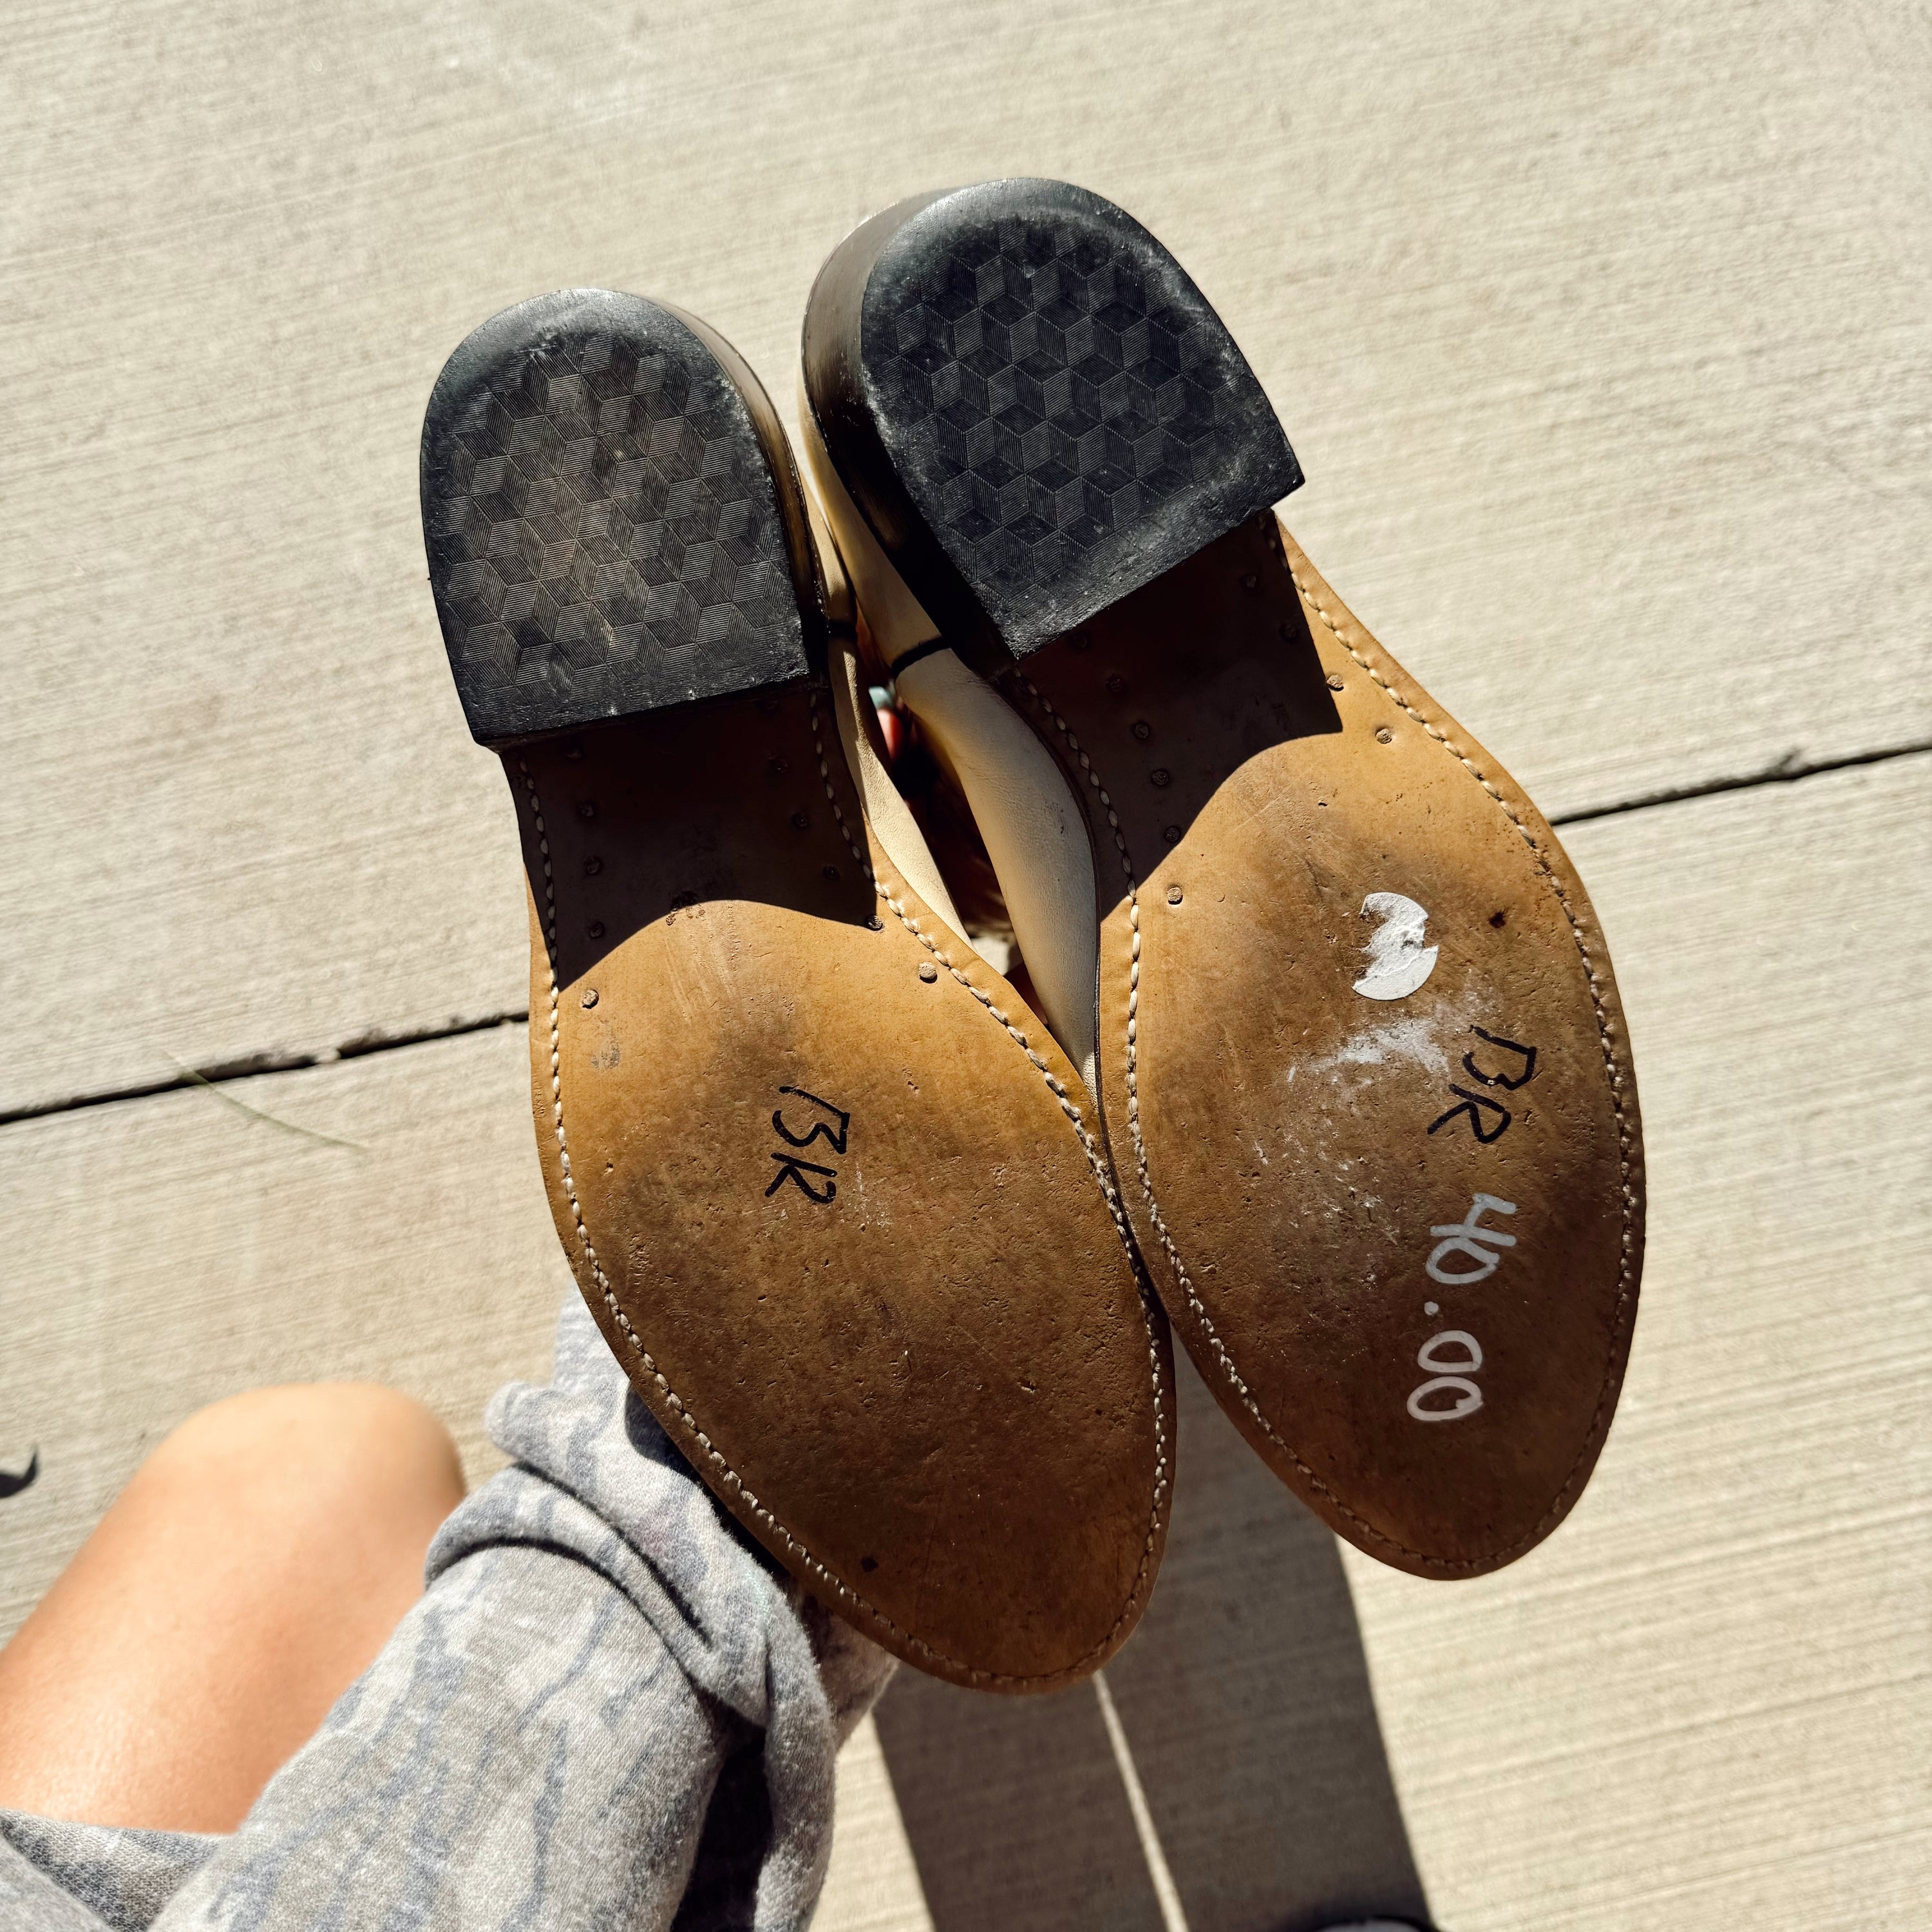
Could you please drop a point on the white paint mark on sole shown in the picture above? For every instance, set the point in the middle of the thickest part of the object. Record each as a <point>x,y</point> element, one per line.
<point>1399,962</point>
<point>1413,1040</point>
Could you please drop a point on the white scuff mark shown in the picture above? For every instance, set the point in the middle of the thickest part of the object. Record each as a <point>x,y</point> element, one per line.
<point>1399,962</point>
<point>1411,1039</point>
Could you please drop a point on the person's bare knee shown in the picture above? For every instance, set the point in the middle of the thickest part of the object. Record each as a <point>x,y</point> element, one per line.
<point>352,1458</point>
<point>316,1502</point>
<point>253,1566</point>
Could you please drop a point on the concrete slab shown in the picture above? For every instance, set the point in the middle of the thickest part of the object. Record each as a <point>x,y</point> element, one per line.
<point>1706,1695</point>
<point>1604,338</point>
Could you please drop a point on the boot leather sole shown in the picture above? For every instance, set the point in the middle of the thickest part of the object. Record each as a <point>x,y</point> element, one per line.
<point>831,1190</point>
<point>1364,1072</point>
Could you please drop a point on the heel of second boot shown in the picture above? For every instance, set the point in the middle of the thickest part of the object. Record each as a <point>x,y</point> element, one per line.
<point>1036,408</point>
<point>611,528</point>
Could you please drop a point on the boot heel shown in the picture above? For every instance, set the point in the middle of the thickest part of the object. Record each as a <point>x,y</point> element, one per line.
<point>1035,409</point>
<point>613,521</point>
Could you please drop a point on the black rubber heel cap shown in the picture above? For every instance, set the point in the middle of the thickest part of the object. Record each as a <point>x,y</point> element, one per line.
<point>1034,406</point>
<point>604,520</point>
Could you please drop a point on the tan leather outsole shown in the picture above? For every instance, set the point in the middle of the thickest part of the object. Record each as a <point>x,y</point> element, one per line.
<point>829,1189</point>
<point>1366,1079</point>
<point>1363,1073</point>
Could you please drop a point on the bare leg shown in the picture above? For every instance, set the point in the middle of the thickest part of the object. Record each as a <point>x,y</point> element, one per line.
<point>252,1568</point>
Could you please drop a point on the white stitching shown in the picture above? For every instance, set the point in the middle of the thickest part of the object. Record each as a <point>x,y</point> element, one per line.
<point>1214,1342</point>
<point>1096,1160</point>
<point>1628,1244</point>
<point>1220,1348</point>
<point>726,1474</point>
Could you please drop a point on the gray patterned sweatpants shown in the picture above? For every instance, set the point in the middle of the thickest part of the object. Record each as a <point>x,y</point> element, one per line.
<point>607,1710</point>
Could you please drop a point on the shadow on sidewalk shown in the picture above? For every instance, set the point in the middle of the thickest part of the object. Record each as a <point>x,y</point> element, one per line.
<point>1245,1704</point>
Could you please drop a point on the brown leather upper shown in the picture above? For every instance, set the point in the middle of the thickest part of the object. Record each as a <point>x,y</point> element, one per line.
<point>1306,1166</point>
<point>833,1193</point>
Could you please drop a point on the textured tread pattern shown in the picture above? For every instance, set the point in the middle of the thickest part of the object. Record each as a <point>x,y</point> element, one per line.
<point>1056,393</point>
<point>603,528</point>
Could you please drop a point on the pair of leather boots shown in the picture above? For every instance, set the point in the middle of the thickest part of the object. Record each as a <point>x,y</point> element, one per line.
<point>1319,1061</point>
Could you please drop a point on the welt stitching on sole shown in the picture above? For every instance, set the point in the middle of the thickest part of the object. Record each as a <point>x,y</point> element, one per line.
<point>727,1474</point>
<point>1221,1352</point>
<point>1619,1313</point>
<point>1103,1178</point>
<point>1614,1078</point>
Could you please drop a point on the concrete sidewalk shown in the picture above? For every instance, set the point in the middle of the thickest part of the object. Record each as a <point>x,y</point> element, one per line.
<point>1606,339</point>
